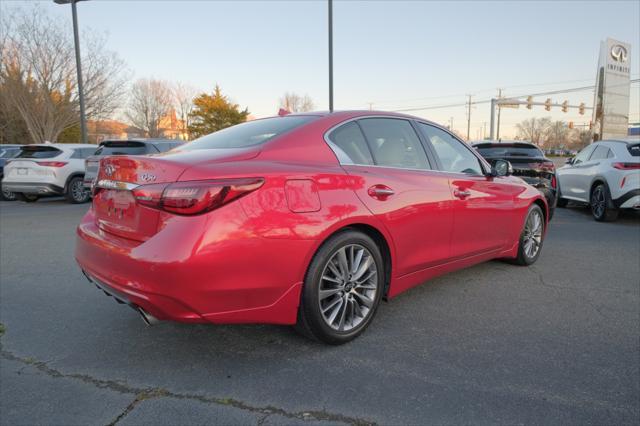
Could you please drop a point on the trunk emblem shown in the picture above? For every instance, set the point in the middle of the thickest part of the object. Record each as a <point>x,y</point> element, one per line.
<point>147,177</point>
<point>109,170</point>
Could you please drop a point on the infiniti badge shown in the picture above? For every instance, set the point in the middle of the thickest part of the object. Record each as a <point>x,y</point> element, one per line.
<point>619,53</point>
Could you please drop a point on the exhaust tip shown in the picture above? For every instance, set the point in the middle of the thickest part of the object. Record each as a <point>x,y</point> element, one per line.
<point>147,317</point>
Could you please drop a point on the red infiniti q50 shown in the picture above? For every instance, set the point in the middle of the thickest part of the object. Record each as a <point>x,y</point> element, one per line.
<point>305,219</point>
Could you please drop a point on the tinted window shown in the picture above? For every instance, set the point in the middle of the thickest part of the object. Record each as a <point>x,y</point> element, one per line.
<point>9,152</point>
<point>39,152</point>
<point>583,155</point>
<point>601,152</point>
<point>634,149</point>
<point>123,148</point>
<point>349,145</point>
<point>509,151</point>
<point>248,134</point>
<point>394,143</point>
<point>453,154</point>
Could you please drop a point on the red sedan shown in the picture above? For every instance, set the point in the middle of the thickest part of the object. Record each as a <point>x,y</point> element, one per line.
<point>305,219</point>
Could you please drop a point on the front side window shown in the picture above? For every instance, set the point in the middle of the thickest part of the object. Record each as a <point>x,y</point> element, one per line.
<point>349,145</point>
<point>453,154</point>
<point>394,143</point>
<point>249,134</point>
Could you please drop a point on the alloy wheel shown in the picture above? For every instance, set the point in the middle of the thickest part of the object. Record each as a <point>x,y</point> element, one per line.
<point>533,234</point>
<point>78,191</point>
<point>348,286</point>
<point>8,195</point>
<point>598,201</point>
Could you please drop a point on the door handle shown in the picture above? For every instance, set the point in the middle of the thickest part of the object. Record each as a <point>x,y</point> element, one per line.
<point>380,192</point>
<point>461,193</point>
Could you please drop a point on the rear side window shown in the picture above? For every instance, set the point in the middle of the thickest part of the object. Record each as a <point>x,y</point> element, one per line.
<point>9,152</point>
<point>83,152</point>
<point>39,152</point>
<point>454,155</point>
<point>509,151</point>
<point>124,148</point>
<point>634,149</point>
<point>394,143</point>
<point>250,133</point>
<point>348,143</point>
<point>600,153</point>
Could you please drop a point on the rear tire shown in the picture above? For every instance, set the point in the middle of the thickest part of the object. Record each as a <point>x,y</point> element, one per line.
<point>76,192</point>
<point>7,195</point>
<point>342,289</point>
<point>531,237</point>
<point>602,207</point>
<point>27,198</point>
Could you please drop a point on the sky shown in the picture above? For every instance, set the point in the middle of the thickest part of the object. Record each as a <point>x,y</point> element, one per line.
<point>388,55</point>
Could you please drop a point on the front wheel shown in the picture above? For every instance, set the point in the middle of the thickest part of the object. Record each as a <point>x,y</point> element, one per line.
<point>531,237</point>
<point>76,192</point>
<point>601,205</point>
<point>342,289</point>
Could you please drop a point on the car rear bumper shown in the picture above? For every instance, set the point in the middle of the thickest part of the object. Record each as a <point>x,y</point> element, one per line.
<point>630,200</point>
<point>223,275</point>
<point>33,188</point>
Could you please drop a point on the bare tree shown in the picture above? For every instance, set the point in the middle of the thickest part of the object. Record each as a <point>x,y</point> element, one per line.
<point>150,101</point>
<point>557,135</point>
<point>533,130</point>
<point>183,97</point>
<point>38,73</point>
<point>293,102</point>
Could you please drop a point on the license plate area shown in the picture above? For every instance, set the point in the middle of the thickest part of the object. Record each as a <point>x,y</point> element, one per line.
<point>118,213</point>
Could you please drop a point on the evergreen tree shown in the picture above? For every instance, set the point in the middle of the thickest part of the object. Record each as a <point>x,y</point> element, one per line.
<point>214,112</point>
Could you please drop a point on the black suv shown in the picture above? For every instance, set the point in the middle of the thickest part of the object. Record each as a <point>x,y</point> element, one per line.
<point>529,163</point>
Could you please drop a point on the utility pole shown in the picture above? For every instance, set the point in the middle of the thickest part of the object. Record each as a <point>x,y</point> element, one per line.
<point>484,130</point>
<point>469,119</point>
<point>330,55</point>
<point>499,109</point>
<point>493,119</point>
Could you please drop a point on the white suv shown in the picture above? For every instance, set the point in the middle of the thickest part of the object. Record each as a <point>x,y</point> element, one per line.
<point>606,175</point>
<point>48,169</point>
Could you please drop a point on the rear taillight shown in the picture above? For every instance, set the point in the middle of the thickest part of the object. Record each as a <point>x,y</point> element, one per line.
<point>52,163</point>
<point>548,166</point>
<point>554,182</point>
<point>626,166</point>
<point>194,197</point>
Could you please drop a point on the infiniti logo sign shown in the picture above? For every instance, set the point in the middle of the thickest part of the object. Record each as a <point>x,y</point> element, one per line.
<point>619,53</point>
<point>109,170</point>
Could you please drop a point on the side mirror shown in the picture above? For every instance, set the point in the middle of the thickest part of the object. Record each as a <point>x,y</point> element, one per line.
<point>502,168</point>
<point>569,160</point>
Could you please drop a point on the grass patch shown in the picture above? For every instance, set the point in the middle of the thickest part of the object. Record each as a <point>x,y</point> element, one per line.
<point>2,329</point>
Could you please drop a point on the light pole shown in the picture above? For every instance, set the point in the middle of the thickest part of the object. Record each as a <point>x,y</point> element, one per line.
<point>76,41</point>
<point>330,55</point>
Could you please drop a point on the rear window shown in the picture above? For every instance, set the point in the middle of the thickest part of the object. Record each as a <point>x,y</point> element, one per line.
<point>509,151</point>
<point>123,148</point>
<point>39,152</point>
<point>248,134</point>
<point>634,149</point>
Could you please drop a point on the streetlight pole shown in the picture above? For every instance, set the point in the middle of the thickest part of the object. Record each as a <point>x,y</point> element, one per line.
<point>76,41</point>
<point>330,55</point>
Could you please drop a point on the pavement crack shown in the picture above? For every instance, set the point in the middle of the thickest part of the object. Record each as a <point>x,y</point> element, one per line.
<point>142,394</point>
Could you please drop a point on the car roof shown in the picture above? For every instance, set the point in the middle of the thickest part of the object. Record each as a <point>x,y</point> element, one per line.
<point>629,140</point>
<point>9,145</point>
<point>64,145</point>
<point>493,143</point>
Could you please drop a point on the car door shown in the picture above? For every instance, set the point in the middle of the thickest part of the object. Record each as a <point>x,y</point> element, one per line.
<point>398,185</point>
<point>483,204</point>
<point>572,177</point>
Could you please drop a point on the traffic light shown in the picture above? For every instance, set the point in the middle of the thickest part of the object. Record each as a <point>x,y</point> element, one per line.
<point>565,107</point>
<point>547,104</point>
<point>571,124</point>
<point>581,109</point>
<point>529,102</point>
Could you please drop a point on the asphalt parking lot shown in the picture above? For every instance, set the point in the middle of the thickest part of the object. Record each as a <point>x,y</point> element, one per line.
<point>556,343</point>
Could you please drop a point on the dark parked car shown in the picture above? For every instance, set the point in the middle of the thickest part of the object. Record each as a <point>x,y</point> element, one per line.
<point>529,163</point>
<point>125,147</point>
<point>6,153</point>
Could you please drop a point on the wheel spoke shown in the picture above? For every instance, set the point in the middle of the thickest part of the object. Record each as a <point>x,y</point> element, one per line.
<point>356,262</point>
<point>343,262</point>
<point>333,280</point>
<point>364,299</point>
<point>336,311</point>
<point>327,293</point>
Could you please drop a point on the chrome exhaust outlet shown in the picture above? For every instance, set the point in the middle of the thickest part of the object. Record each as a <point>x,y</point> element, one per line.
<point>147,317</point>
